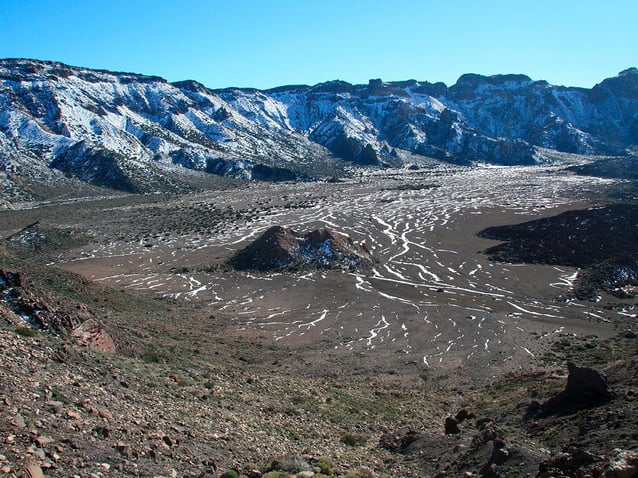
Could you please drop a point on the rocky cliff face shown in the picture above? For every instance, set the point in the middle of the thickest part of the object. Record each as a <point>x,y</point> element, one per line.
<point>129,131</point>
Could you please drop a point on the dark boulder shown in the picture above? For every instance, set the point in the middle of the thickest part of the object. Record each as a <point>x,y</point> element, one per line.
<point>399,441</point>
<point>586,388</point>
<point>451,426</point>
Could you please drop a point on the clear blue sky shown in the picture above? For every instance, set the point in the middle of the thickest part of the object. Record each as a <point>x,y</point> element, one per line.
<point>267,43</point>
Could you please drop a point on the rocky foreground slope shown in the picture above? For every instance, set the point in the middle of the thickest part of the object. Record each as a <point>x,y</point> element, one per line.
<point>130,131</point>
<point>190,397</point>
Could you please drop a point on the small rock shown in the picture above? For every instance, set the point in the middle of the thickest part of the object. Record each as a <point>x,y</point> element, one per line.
<point>623,465</point>
<point>5,469</point>
<point>19,422</point>
<point>55,406</point>
<point>483,423</point>
<point>463,415</point>
<point>37,452</point>
<point>42,441</point>
<point>103,432</point>
<point>34,470</point>
<point>104,413</point>
<point>124,448</point>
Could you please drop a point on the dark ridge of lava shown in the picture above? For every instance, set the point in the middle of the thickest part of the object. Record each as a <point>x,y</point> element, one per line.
<point>600,241</point>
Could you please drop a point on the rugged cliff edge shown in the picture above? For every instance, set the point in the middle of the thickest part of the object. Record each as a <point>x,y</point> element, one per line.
<point>139,133</point>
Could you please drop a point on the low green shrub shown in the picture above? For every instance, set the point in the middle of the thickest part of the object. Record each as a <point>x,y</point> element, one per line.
<point>230,474</point>
<point>26,331</point>
<point>326,466</point>
<point>353,439</point>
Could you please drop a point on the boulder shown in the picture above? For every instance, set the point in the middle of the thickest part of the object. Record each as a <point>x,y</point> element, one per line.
<point>586,388</point>
<point>93,335</point>
<point>451,426</point>
<point>586,383</point>
<point>399,440</point>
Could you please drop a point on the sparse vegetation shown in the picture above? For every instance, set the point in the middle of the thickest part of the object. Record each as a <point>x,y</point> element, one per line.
<point>353,439</point>
<point>326,466</point>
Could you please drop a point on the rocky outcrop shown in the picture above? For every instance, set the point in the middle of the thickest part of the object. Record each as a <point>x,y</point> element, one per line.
<point>281,248</point>
<point>586,387</point>
<point>93,335</point>
<point>26,305</point>
<point>574,461</point>
<point>400,440</point>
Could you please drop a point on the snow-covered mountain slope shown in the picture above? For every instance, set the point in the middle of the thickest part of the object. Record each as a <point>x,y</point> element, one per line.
<point>127,131</point>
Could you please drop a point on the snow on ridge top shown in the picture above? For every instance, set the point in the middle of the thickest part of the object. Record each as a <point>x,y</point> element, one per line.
<point>426,102</point>
<point>46,108</point>
<point>259,107</point>
<point>23,69</point>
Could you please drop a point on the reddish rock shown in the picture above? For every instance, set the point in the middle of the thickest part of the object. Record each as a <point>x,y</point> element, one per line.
<point>93,335</point>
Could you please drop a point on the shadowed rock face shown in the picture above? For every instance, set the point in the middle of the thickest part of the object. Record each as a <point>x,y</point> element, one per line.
<point>280,248</point>
<point>586,387</point>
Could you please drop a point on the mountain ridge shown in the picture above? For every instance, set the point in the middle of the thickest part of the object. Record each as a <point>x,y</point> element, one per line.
<point>138,133</point>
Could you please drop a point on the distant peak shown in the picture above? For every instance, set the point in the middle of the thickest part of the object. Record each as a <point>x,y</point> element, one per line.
<point>334,86</point>
<point>629,71</point>
<point>20,69</point>
<point>190,85</point>
<point>474,79</point>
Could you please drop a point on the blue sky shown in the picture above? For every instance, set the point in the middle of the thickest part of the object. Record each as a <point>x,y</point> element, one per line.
<point>267,43</point>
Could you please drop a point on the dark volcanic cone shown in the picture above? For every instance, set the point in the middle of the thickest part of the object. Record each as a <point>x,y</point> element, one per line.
<point>275,249</point>
<point>281,248</point>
